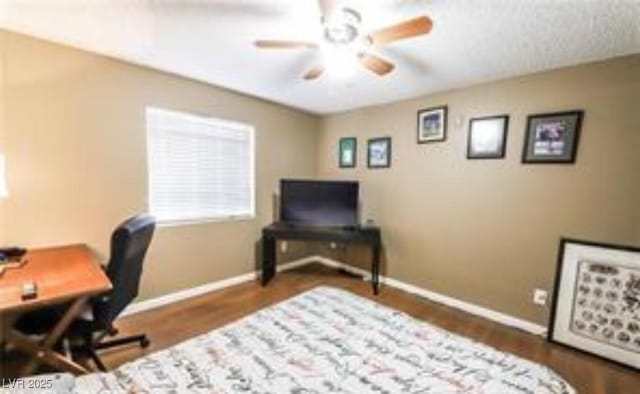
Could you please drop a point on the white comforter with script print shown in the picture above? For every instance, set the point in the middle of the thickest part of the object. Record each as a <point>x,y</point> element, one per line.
<point>327,341</point>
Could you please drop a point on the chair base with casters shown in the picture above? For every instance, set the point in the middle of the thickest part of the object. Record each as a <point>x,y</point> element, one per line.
<point>80,339</point>
<point>90,346</point>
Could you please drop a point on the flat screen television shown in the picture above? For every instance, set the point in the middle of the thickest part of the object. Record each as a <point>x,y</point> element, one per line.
<point>321,203</point>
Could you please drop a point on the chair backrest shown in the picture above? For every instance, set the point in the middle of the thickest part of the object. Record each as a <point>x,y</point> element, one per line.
<point>129,244</point>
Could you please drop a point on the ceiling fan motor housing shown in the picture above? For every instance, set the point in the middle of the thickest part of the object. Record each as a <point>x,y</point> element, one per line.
<point>343,27</point>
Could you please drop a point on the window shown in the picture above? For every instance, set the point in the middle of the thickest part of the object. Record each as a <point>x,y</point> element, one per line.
<point>199,168</point>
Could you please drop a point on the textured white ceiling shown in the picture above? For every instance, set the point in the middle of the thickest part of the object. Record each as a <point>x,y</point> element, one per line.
<point>472,41</point>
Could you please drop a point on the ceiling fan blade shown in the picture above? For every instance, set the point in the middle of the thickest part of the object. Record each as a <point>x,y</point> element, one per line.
<point>326,8</point>
<point>313,73</point>
<point>277,44</point>
<point>376,64</point>
<point>411,28</point>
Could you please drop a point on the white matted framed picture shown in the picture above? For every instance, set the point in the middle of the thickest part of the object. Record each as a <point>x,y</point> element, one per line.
<point>487,137</point>
<point>379,152</point>
<point>432,124</point>
<point>596,305</point>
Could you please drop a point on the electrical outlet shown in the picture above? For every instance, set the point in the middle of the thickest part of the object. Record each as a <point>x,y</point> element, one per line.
<point>540,297</point>
<point>283,246</point>
<point>333,245</point>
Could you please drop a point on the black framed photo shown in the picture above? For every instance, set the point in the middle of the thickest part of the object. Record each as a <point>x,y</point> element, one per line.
<point>347,152</point>
<point>596,305</point>
<point>552,138</point>
<point>432,124</point>
<point>379,152</point>
<point>487,137</point>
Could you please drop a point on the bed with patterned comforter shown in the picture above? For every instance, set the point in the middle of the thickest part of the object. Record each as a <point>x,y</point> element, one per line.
<point>325,340</point>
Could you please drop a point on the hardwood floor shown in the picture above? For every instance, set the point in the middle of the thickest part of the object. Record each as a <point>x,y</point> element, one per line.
<point>172,324</point>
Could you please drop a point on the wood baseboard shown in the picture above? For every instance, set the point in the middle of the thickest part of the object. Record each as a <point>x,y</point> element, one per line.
<point>468,307</point>
<point>156,302</point>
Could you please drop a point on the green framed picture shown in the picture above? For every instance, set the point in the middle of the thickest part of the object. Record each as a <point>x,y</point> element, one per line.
<point>347,152</point>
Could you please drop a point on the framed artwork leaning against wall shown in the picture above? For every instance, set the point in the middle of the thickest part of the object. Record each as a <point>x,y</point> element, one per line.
<point>596,303</point>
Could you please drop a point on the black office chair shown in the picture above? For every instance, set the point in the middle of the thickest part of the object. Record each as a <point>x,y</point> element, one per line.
<point>129,244</point>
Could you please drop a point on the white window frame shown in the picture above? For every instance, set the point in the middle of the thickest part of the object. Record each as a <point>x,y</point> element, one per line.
<point>250,129</point>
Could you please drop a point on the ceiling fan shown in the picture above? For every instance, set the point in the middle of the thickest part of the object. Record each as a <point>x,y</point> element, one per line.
<point>341,30</point>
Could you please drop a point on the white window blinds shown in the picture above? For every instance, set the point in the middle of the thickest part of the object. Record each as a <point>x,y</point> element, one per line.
<point>199,168</point>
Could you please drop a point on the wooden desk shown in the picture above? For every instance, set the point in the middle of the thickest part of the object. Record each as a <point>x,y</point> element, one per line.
<point>62,274</point>
<point>283,231</point>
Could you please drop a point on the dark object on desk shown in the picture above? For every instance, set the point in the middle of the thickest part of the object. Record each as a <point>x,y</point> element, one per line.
<point>12,253</point>
<point>369,235</point>
<point>129,244</point>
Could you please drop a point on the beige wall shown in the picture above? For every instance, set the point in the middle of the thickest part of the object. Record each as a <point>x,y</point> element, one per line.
<point>75,140</point>
<point>481,231</point>
<point>487,231</point>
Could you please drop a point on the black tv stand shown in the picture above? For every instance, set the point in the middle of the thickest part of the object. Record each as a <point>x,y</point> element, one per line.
<point>352,234</point>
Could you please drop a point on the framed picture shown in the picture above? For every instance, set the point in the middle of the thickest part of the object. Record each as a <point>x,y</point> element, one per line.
<point>347,152</point>
<point>432,124</point>
<point>552,138</point>
<point>379,152</point>
<point>487,137</point>
<point>596,305</point>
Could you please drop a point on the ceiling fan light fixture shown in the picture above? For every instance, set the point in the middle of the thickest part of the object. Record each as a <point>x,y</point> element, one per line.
<point>339,61</point>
